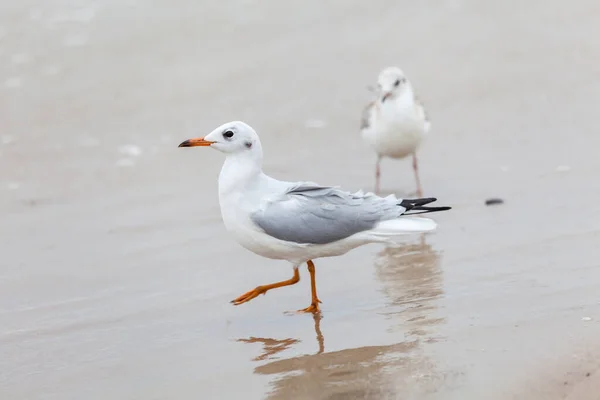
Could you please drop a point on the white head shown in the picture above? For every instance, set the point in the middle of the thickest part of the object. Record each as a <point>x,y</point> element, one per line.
<point>232,138</point>
<point>391,83</point>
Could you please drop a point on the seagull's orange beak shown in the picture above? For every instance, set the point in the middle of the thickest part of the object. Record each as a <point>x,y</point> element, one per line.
<point>195,142</point>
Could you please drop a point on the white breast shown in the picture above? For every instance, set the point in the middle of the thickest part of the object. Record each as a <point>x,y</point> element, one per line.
<point>396,128</point>
<point>236,210</point>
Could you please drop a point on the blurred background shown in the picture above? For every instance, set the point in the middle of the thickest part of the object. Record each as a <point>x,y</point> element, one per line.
<point>116,271</point>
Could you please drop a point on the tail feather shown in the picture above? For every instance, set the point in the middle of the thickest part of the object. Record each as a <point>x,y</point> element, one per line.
<point>419,205</point>
<point>403,226</point>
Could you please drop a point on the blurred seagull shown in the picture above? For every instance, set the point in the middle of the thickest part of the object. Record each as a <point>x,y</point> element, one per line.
<point>395,123</point>
<point>299,221</point>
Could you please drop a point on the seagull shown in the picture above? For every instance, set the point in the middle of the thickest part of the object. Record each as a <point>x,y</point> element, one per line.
<point>395,123</point>
<point>299,221</point>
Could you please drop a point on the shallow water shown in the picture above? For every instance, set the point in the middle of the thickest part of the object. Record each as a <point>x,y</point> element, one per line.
<point>117,272</point>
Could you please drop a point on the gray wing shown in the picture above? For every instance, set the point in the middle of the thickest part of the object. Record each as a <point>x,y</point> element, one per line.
<point>312,214</point>
<point>365,121</point>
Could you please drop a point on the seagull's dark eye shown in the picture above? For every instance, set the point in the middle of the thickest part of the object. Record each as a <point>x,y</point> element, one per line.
<point>397,82</point>
<point>228,134</point>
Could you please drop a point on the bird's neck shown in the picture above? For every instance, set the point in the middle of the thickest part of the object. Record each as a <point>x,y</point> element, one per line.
<point>239,170</point>
<point>402,99</point>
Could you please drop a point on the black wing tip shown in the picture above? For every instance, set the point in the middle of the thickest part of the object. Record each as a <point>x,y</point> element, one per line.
<point>410,203</point>
<point>420,205</point>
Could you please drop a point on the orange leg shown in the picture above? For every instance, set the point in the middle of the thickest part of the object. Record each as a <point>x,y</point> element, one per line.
<point>314,305</point>
<point>264,289</point>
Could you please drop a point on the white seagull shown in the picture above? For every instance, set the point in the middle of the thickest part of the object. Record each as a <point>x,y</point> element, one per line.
<point>299,221</point>
<point>395,123</point>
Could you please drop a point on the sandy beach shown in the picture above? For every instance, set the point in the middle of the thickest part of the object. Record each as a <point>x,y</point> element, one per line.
<point>116,271</point>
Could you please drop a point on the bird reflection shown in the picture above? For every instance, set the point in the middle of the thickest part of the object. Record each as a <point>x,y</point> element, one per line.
<point>367,372</point>
<point>411,280</point>
<point>273,346</point>
<point>270,346</point>
<point>357,373</point>
<point>320,339</point>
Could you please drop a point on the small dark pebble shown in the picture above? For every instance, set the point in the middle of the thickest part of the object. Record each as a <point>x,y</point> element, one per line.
<point>588,374</point>
<point>494,201</point>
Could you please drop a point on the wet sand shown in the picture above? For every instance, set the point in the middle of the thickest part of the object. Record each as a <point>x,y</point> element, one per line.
<point>116,271</point>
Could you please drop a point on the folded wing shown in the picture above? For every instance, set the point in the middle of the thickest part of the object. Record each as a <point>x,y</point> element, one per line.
<point>311,214</point>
